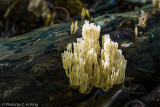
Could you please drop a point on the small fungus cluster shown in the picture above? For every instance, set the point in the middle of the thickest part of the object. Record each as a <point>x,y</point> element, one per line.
<point>142,20</point>
<point>156,5</point>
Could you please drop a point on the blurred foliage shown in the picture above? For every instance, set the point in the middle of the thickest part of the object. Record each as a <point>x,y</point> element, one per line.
<point>21,16</point>
<point>73,6</point>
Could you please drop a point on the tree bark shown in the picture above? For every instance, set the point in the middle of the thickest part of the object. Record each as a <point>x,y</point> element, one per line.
<point>31,68</point>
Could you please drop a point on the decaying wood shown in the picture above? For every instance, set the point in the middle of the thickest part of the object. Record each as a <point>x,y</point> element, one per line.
<point>153,98</point>
<point>31,69</point>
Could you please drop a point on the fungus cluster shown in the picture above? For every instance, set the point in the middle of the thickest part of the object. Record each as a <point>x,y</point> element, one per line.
<point>88,65</point>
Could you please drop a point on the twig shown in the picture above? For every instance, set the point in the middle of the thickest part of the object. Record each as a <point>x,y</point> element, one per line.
<point>58,7</point>
<point>10,8</point>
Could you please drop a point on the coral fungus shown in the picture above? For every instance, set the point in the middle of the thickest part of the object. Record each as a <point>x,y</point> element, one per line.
<point>90,65</point>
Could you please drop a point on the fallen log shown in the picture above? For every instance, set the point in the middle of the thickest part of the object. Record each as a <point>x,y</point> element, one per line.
<point>31,69</point>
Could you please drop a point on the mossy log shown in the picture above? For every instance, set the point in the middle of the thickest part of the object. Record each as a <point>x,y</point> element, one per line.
<point>31,68</point>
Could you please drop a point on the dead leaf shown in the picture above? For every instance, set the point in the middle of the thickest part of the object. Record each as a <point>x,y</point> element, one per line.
<point>33,5</point>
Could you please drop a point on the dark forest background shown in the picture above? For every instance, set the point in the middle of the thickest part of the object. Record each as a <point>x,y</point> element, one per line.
<point>18,17</point>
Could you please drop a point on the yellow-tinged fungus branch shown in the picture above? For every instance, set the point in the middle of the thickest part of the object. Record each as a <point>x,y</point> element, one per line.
<point>74,27</point>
